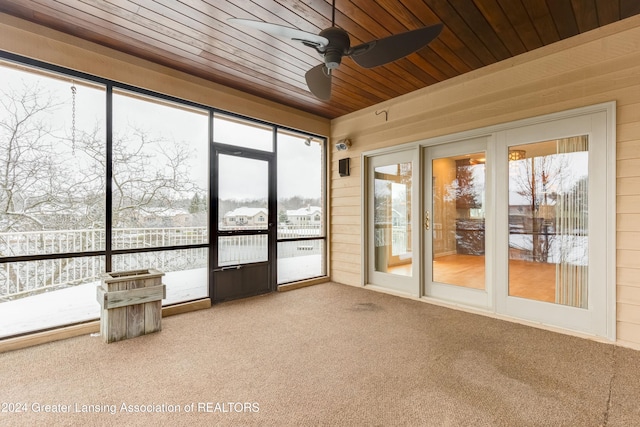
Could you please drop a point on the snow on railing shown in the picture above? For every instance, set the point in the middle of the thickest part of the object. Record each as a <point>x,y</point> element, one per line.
<point>49,242</point>
<point>292,231</point>
<point>65,241</point>
<point>129,238</point>
<point>23,278</point>
<point>18,279</point>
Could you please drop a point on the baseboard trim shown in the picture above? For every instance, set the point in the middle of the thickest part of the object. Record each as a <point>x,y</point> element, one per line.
<point>186,307</point>
<point>302,284</point>
<point>91,327</point>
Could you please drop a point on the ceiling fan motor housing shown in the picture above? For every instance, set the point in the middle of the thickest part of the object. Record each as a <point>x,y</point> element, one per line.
<point>338,46</point>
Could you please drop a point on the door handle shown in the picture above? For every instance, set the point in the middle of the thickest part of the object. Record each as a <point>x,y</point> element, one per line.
<point>427,220</point>
<point>231,267</point>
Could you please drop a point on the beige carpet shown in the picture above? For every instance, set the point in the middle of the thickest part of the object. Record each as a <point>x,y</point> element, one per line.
<point>327,355</point>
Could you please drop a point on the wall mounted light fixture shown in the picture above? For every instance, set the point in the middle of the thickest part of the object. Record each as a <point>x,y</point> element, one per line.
<point>343,145</point>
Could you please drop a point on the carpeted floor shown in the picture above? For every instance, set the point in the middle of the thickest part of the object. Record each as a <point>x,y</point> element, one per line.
<point>328,355</point>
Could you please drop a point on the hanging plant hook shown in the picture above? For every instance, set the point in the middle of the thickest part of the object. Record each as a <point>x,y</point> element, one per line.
<point>386,114</point>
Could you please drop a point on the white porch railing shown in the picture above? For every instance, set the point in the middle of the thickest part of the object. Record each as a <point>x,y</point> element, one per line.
<point>19,279</point>
<point>61,241</point>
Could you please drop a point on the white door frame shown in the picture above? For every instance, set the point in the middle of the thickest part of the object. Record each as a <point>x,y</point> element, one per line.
<point>602,322</point>
<point>481,298</point>
<point>593,318</point>
<point>394,283</point>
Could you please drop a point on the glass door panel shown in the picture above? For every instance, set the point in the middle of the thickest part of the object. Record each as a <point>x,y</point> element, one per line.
<point>548,221</point>
<point>455,222</point>
<point>244,228</point>
<point>392,238</point>
<point>459,220</point>
<point>243,192</point>
<point>392,219</point>
<point>553,241</point>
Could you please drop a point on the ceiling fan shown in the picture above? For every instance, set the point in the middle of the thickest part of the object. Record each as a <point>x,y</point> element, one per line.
<point>333,43</point>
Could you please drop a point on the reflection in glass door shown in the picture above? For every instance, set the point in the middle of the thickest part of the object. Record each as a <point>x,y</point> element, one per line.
<point>454,222</point>
<point>458,220</point>
<point>392,225</point>
<point>391,235</point>
<point>548,221</point>
<point>521,222</point>
<point>555,220</point>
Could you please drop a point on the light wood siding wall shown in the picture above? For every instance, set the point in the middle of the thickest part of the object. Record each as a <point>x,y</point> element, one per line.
<point>595,67</point>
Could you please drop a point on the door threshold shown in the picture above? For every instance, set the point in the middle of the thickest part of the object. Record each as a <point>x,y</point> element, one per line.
<point>395,292</point>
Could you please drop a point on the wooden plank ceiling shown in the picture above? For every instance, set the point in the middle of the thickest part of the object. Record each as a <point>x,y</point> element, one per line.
<point>194,36</point>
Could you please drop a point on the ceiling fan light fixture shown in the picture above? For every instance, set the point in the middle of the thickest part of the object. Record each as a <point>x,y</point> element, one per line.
<point>332,60</point>
<point>333,43</point>
<point>337,47</point>
<point>517,155</point>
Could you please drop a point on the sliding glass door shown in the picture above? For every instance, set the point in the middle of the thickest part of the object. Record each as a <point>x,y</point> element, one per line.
<point>518,222</point>
<point>391,207</point>
<point>454,222</point>
<point>552,233</point>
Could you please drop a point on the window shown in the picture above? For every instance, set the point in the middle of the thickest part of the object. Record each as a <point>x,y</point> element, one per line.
<point>48,292</point>
<point>243,133</point>
<point>52,154</point>
<point>555,223</point>
<point>52,204</point>
<point>160,173</point>
<point>185,271</point>
<point>458,219</point>
<point>60,147</point>
<point>301,246</point>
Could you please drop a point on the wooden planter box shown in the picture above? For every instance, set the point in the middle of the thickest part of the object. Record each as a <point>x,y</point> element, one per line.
<point>131,303</point>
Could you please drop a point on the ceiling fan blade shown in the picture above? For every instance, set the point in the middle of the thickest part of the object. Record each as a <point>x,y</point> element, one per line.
<point>306,38</point>
<point>319,82</point>
<point>388,49</point>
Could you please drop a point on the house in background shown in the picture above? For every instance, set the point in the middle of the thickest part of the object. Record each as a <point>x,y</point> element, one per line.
<point>242,217</point>
<point>165,217</point>
<point>311,215</point>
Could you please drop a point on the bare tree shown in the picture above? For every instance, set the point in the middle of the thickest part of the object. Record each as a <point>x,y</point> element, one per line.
<point>27,164</point>
<point>49,181</point>
<point>40,188</point>
<point>150,175</point>
<point>536,183</point>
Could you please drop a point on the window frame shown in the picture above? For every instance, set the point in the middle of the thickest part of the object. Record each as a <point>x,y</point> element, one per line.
<point>32,65</point>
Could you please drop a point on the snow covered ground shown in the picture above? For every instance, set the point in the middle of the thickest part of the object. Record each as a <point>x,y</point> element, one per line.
<point>79,304</point>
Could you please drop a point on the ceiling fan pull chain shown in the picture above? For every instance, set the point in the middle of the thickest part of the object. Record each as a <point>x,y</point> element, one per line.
<point>73,117</point>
